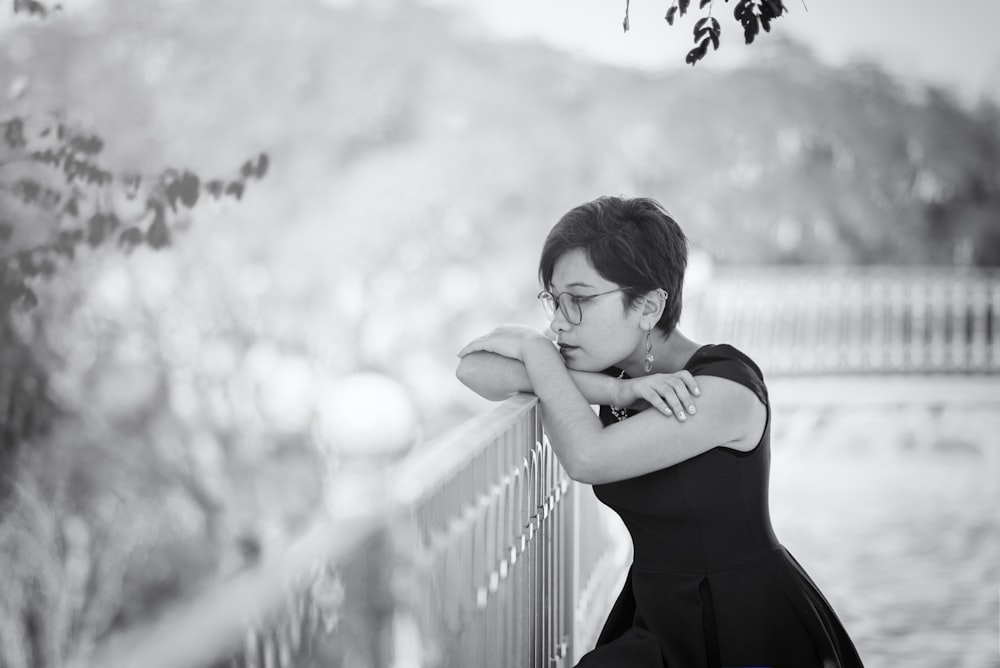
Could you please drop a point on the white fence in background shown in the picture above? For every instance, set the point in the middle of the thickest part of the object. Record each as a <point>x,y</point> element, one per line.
<point>850,320</point>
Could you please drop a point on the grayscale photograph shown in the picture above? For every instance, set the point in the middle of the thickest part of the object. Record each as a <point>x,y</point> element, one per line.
<point>499,334</point>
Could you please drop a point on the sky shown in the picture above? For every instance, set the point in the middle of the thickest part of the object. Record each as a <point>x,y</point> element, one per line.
<point>953,44</point>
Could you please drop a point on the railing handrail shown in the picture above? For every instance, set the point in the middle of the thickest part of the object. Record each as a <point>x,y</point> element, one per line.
<point>430,465</point>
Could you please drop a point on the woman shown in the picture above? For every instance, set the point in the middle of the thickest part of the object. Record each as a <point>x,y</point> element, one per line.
<point>710,585</point>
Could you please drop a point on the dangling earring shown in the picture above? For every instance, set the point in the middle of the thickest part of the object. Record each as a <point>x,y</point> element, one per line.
<point>647,364</point>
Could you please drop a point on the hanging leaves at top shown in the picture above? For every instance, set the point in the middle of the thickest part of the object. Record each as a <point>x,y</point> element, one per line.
<point>751,14</point>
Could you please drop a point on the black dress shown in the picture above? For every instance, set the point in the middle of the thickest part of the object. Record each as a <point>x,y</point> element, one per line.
<point>710,586</point>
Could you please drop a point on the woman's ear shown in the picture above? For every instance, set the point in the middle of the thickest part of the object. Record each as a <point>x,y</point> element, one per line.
<point>655,302</point>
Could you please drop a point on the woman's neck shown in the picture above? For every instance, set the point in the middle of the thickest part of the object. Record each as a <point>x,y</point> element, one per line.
<point>670,354</point>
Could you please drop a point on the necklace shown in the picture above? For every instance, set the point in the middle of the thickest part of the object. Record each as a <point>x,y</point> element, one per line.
<point>619,413</point>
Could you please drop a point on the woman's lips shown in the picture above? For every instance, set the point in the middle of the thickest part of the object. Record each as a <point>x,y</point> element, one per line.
<point>566,350</point>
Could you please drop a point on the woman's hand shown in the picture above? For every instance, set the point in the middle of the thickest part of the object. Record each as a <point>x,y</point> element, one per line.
<point>507,340</point>
<point>670,393</point>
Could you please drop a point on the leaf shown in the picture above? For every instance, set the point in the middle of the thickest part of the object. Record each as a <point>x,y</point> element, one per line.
<point>263,162</point>
<point>71,208</point>
<point>683,5</point>
<point>697,53</point>
<point>97,229</point>
<point>214,188</point>
<point>158,234</point>
<point>14,133</point>
<point>772,8</point>
<point>188,189</point>
<point>750,29</point>
<point>172,193</point>
<point>130,238</point>
<point>6,231</point>
<point>671,13</point>
<point>89,145</point>
<point>702,3</point>
<point>235,189</point>
<point>700,24</point>
<point>765,22</point>
<point>246,171</point>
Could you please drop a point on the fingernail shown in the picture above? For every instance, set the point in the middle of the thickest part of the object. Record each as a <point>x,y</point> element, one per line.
<point>691,410</point>
<point>697,392</point>
<point>682,416</point>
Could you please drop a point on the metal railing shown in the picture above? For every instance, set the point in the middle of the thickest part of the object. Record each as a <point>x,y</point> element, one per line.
<point>479,552</point>
<point>849,320</point>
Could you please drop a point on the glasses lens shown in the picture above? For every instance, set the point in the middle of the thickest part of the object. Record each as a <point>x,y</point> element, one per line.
<point>548,303</point>
<point>570,308</point>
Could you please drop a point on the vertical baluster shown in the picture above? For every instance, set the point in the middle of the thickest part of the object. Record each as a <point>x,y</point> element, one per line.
<point>543,551</point>
<point>465,567</point>
<point>916,296</point>
<point>481,558</point>
<point>900,317</point>
<point>857,357</point>
<point>959,347</point>
<point>993,325</point>
<point>523,584</point>
<point>506,522</point>
<point>937,324</point>
<point>978,305</point>
<point>550,546</point>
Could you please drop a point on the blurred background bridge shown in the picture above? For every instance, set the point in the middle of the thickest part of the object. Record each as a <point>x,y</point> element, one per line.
<point>476,549</point>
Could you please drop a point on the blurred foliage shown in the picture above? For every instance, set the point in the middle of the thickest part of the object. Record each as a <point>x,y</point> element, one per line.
<point>159,405</point>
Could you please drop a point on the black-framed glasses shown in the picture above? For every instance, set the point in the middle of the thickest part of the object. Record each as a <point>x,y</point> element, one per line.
<point>569,304</point>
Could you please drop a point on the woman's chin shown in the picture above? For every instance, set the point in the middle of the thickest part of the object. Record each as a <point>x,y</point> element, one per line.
<point>576,364</point>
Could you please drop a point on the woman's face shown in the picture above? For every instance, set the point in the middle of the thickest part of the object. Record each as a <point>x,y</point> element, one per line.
<point>608,334</point>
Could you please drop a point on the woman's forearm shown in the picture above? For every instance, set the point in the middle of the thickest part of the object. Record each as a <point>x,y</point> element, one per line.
<point>496,377</point>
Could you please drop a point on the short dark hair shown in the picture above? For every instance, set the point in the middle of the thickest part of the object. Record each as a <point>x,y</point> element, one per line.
<point>633,242</point>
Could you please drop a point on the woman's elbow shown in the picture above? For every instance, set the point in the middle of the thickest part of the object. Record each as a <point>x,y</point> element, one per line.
<point>579,470</point>
<point>467,375</point>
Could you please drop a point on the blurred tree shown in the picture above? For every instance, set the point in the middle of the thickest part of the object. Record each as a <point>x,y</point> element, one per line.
<point>67,543</point>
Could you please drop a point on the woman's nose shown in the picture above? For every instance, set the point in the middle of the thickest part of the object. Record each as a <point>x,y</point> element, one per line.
<point>559,324</point>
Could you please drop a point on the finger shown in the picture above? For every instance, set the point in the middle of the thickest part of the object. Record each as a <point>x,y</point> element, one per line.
<point>668,395</point>
<point>690,382</point>
<point>657,402</point>
<point>681,392</point>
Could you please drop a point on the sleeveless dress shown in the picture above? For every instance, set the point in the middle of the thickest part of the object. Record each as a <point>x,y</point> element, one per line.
<point>710,586</point>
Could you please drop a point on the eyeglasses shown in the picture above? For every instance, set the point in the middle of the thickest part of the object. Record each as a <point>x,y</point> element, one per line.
<point>568,303</point>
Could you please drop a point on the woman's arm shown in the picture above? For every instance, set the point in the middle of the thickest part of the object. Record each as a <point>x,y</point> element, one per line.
<point>730,415</point>
<point>496,377</point>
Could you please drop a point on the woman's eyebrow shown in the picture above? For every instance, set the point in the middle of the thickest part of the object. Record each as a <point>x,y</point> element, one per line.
<point>579,285</point>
